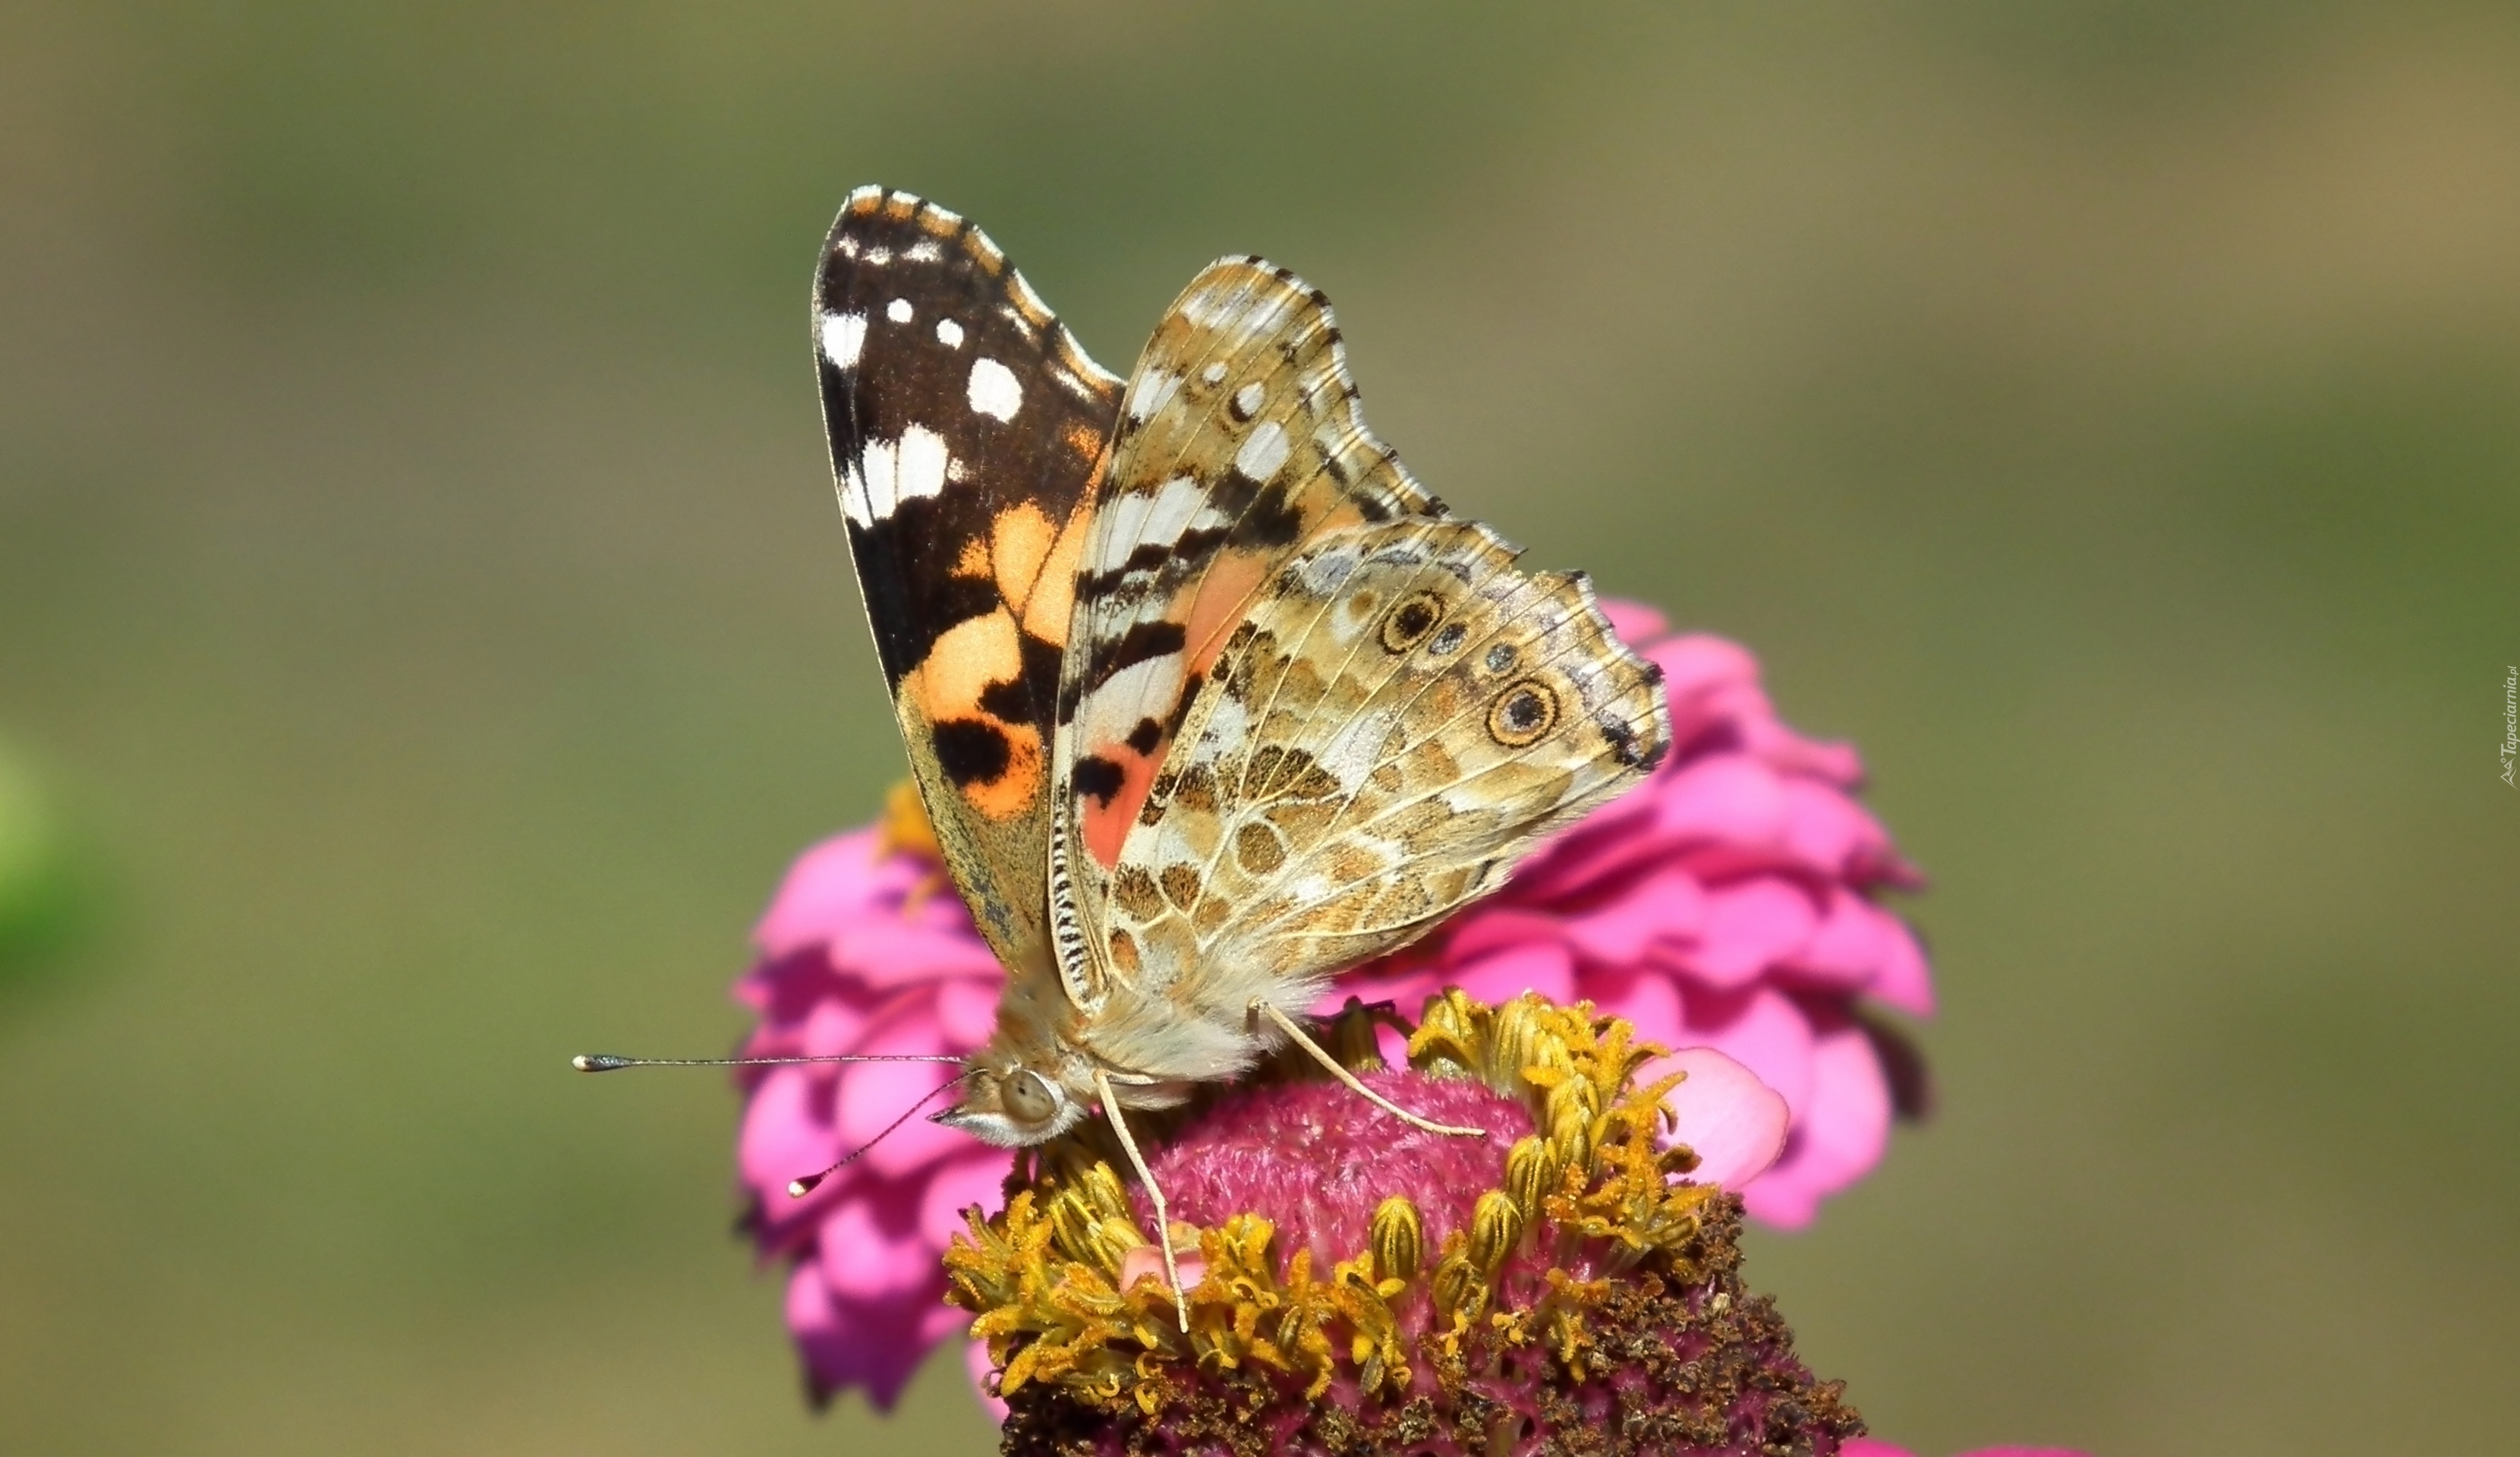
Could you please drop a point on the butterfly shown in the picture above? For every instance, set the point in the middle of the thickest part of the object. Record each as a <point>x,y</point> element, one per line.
<point>1205,695</point>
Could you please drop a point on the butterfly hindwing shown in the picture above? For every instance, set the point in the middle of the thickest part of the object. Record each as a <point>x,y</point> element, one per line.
<point>1399,718</point>
<point>1240,440</point>
<point>968,430</point>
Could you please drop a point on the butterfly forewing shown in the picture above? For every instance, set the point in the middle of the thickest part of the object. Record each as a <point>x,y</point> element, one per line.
<point>1240,442</point>
<point>967,432</point>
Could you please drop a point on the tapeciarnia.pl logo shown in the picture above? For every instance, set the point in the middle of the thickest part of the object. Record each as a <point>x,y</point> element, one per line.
<point>2510,722</point>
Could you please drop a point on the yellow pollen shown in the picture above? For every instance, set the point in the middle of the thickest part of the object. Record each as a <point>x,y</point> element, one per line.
<point>1592,1193</point>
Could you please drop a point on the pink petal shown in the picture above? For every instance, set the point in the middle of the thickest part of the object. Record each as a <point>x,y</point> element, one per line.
<point>1903,981</point>
<point>1839,1133</point>
<point>941,1320</point>
<point>885,951</point>
<point>848,1343</point>
<point>1729,798</point>
<point>1669,907</point>
<point>1868,1446</point>
<point>861,1260</point>
<point>1632,623</point>
<point>1780,1199</point>
<point>1648,999</point>
<point>1776,744</point>
<point>1828,832</point>
<point>1611,840</point>
<point>781,1137</point>
<point>958,1184</point>
<point>1499,926</point>
<point>1697,661</point>
<point>829,885</point>
<point>874,1096</point>
<point>1847,1125</point>
<point>1499,976</point>
<point>1735,1123</point>
<point>1763,1031</point>
<point>833,1027</point>
<point>1750,926</point>
<point>1847,949</point>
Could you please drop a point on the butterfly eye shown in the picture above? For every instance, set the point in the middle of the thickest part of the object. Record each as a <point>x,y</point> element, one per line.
<point>1523,715</point>
<point>1029,1098</point>
<point>1410,622</point>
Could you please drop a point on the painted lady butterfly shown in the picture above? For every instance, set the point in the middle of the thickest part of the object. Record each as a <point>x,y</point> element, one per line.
<point>1206,697</point>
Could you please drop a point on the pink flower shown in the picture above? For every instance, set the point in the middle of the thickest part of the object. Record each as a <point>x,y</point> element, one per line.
<point>1728,902</point>
<point>1375,1289</point>
<point>863,950</point>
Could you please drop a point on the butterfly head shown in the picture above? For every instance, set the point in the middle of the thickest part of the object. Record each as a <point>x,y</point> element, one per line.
<point>1014,1102</point>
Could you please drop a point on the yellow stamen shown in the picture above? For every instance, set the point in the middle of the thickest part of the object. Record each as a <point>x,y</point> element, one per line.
<point>1591,1191</point>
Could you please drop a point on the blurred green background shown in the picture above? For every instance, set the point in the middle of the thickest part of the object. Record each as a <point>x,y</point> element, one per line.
<point>421,594</point>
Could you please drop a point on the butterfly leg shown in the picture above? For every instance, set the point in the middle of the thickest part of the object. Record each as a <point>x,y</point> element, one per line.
<point>1303,1040</point>
<point>1154,1195</point>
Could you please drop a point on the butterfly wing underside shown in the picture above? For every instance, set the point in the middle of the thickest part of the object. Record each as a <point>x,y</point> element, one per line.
<point>967,430</point>
<point>1239,442</point>
<point>1399,718</point>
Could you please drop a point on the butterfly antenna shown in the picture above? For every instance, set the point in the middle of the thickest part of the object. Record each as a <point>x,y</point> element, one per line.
<point>605,1061</point>
<point>799,1188</point>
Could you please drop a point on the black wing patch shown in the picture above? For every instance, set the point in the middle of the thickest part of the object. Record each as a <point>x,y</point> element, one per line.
<point>968,433</point>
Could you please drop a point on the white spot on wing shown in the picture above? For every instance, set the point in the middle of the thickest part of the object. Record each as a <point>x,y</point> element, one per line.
<point>1150,393</point>
<point>924,251</point>
<point>872,479</point>
<point>949,333</point>
<point>1247,398</point>
<point>898,311</point>
<point>853,496</point>
<point>843,337</point>
<point>891,472</point>
<point>1214,374</point>
<point>1208,308</point>
<point>1128,520</point>
<point>1264,452</point>
<point>1111,711</point>
<point>994,389</point>
<point>923,462</point>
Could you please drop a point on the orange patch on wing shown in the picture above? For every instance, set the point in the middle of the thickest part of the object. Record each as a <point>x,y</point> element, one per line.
<point>1054,596</point>
<point>947,685</point>
<point>975,560</point>
<point>971,655</point>
<point>1106,826</point>
<point>1223,596</point>
<point>1019,789</point>
<point>1019,542</point>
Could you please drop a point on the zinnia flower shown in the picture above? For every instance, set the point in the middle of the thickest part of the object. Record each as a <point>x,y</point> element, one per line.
<point>1365,1288</point>
<point>864,949</point>
<point>1724,904</point>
